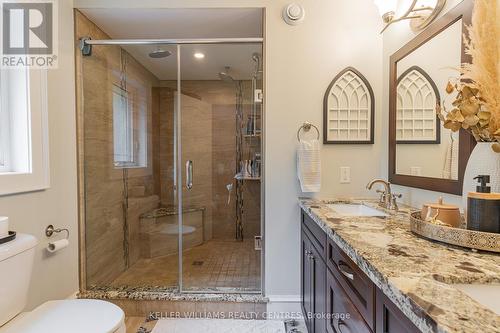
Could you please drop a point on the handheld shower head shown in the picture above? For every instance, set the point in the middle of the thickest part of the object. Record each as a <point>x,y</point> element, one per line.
<point>256,57</point>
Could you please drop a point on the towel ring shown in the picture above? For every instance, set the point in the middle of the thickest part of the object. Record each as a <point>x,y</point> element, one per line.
<point>307,127</point>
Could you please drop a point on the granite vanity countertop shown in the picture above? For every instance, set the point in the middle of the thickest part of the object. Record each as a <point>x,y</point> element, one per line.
<point>416,274</point>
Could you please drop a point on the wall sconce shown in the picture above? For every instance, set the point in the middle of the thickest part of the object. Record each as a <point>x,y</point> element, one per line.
<point>421,13</point>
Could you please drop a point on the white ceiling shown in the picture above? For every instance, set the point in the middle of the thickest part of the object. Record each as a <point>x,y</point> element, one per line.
<point>237,57</point>
<point>186,23</point>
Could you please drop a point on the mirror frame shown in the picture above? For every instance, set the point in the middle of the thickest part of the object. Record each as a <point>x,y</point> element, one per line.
<point>467,143</point>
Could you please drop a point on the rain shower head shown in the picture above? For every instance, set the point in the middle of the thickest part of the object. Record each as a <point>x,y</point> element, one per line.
<point>159,53</point>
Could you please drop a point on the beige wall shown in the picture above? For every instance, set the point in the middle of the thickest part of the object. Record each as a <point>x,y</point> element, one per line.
<point>54,276</point>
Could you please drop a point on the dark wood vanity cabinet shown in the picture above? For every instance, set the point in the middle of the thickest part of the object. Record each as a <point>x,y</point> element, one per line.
<point>337,297</point>
<point>313,284</point>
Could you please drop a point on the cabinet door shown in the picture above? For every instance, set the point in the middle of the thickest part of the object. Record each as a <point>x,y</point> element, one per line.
<point>390,319</point>
<point>318,279</point>
<point>305,280</point>
<point>342,314</point>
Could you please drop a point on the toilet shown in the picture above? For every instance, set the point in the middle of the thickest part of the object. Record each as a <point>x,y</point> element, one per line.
<point>61,316</point>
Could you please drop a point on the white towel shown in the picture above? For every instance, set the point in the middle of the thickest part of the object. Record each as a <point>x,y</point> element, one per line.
<point>309,165</point>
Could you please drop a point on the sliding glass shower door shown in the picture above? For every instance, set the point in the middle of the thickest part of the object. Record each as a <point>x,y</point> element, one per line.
<point>170,139</point>
<point>219,128</point>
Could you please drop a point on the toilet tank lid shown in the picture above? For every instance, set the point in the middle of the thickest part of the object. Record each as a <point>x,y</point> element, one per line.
<point>23,242</point>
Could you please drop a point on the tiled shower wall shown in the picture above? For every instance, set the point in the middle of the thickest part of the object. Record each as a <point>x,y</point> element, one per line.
<point>222,98</point>
<point>104,184</point>
<point>196,131</point>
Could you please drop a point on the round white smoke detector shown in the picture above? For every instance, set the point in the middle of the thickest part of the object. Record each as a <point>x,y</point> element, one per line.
<point>293,14</point>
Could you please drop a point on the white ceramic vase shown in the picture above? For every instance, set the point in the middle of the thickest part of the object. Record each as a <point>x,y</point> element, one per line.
<point>482,161</point>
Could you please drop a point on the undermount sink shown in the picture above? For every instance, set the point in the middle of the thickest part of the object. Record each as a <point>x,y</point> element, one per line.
<point>487,295</point>
<point>356,210</point>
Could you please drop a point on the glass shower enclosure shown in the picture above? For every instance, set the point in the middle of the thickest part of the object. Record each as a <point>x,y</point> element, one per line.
<point>171,164</point>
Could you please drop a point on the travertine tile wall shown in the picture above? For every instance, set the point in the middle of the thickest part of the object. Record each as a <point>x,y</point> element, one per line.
<point>196,131</point>
<point>165,141</point>
<point>104,184</point>
<point>222,98</point>
<point>196,136</point>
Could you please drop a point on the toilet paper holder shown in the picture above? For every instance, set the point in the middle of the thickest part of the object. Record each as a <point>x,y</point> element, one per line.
<point>51,230</point>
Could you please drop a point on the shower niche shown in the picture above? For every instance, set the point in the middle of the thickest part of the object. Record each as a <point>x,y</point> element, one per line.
<point>170,159</point>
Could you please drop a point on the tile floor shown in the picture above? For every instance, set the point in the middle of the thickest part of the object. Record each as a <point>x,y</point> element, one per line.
<point>212,265</point>
<point>140,325</point>
<point>134,323</point>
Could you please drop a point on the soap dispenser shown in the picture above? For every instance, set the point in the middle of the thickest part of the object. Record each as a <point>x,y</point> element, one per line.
<point>483,207</point>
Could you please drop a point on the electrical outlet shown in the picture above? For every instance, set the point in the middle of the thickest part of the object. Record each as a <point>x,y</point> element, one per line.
<point>345,175</point>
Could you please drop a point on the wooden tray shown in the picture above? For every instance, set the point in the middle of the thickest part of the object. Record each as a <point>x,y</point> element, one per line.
<point>478,240</point>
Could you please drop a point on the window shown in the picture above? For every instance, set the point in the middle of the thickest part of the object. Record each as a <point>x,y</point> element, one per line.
<point>23,131</point>
<point>123,124</point>
<point>129,129</point>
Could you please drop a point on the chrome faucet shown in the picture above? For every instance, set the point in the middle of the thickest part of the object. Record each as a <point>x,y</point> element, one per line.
<point>387,200</point>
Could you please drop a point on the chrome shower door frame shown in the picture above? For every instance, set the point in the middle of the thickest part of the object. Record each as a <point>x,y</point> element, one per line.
<point>86,44</point>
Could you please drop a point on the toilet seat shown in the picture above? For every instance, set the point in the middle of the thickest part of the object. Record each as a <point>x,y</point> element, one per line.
<point>75,316</point>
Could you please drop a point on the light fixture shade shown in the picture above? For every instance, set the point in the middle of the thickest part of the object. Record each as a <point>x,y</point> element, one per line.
<point>386,6</point>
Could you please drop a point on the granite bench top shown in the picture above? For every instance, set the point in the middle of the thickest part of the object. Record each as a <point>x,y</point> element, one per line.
<point>416,274</point>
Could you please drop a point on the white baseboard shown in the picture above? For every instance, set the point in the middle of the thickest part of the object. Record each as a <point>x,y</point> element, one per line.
<point>284,307</point>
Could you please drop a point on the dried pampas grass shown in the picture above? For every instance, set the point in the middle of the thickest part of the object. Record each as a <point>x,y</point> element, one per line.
<point>483,45</point>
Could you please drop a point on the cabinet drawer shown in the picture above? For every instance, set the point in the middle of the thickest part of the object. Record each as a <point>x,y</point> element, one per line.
<point>318,236</point>
<point>356,284</point>
<point>342,316</point>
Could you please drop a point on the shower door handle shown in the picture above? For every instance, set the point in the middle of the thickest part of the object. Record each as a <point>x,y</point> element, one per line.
<point>189,175</point>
